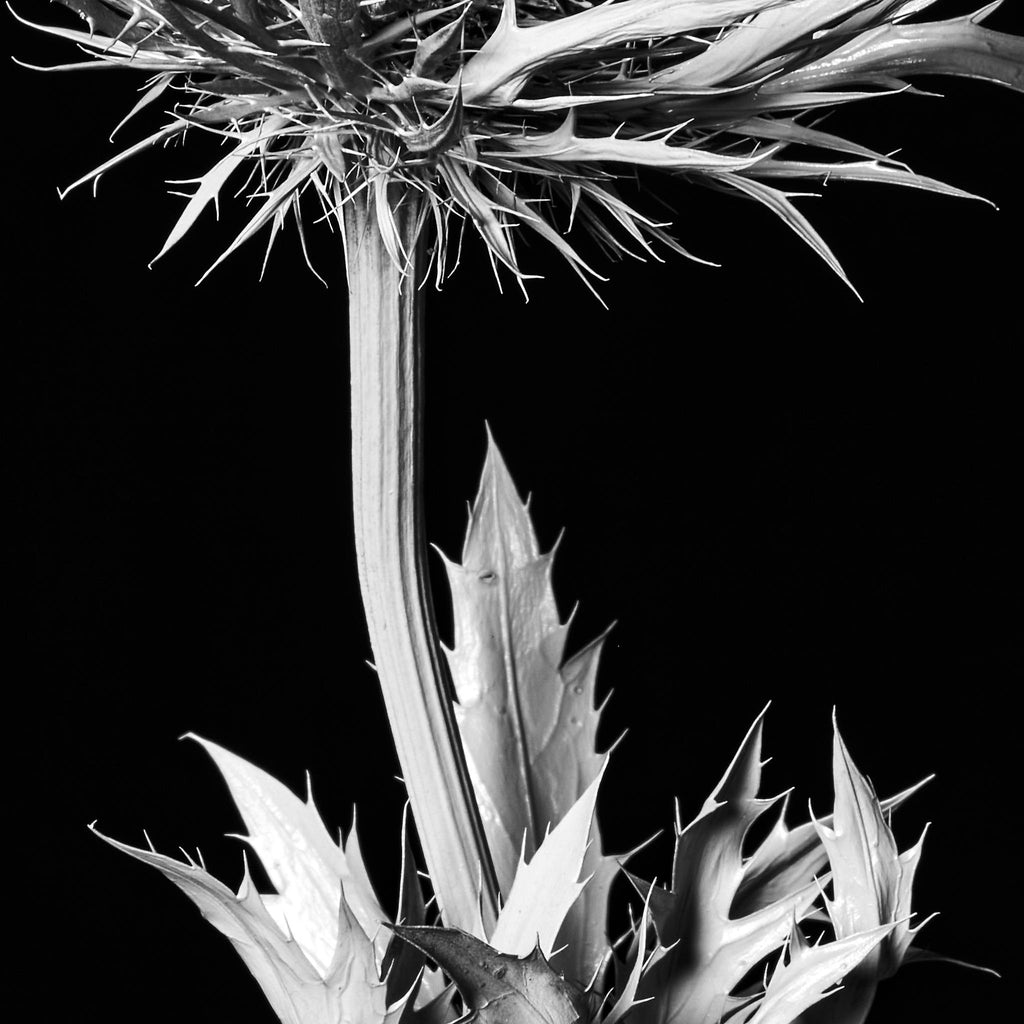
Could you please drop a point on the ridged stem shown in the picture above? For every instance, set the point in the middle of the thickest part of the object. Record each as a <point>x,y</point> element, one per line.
<point>386,345</point>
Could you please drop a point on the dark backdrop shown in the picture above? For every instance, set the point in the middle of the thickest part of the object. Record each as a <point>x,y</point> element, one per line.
<point>778,493</point>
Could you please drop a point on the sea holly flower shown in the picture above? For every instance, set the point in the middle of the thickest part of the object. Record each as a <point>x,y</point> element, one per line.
<point>488,110</point>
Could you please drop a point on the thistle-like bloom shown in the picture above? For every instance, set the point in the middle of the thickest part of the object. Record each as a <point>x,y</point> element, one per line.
<point>517,115</point>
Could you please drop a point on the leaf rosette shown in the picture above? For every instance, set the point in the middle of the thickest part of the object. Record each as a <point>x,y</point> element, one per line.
<point>726,941</point>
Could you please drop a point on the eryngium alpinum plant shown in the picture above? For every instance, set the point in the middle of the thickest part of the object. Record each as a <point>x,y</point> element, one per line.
<point>395,117</point>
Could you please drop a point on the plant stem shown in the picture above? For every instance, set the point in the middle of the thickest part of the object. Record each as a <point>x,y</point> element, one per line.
<point>386,345</point>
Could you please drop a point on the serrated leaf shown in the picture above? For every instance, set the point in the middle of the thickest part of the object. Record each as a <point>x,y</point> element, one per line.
<point>306,867</point>
<point>498,988</point>
<point>809,976</point>
<point>527,717</point>
<point>347,988</point>
<point>709,951</point>
<point>871,887</point>
<point>789,859</point>
<point>547,886</point>
<point>871,880</point>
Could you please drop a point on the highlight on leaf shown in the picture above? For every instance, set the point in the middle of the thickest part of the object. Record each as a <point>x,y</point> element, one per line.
<point>526,713</point>
<point>316,946</point>
<point>510,114</point>
<point>729,909</point>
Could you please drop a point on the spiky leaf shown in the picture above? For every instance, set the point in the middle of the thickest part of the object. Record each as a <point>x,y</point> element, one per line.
<point>498,988</point>
<point>307,868</point>
<point>789,859</point>
<point>546,887</point>
<point>710,950</point>
<point>809,977</point>
<point>526,716</point>
<point>300,992</point>
<point>871,882</point>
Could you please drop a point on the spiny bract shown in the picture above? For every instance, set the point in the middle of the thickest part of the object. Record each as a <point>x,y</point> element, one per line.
<point>491,109</point>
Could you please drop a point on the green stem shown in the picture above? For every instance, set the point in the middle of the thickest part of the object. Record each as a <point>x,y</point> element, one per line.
<point>386,344</point>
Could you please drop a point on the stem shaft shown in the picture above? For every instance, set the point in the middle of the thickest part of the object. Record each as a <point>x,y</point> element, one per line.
<point>386,342</point>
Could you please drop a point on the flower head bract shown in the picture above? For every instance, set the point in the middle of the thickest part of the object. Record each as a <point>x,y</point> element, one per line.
<point>525,115</point>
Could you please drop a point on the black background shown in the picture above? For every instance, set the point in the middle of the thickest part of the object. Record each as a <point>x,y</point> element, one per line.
<point>778,493</point>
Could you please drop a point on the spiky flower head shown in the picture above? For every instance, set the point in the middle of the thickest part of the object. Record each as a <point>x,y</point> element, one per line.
<point>514,114</point>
